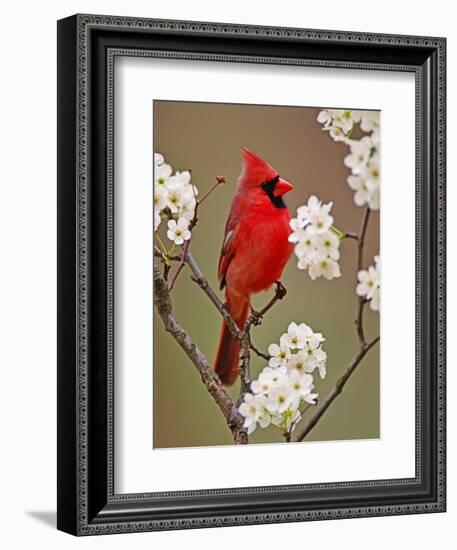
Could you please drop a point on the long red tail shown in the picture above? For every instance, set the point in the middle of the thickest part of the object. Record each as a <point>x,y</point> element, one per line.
<point>228,351</point>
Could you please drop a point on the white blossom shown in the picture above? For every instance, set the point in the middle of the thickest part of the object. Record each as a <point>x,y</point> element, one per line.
<point>316,243</point>
<point>178,231</point>
<point>362,193</point>
<point>375,302</point>
<point>327,268</point>
<point>377,263</point>
<point>374,199</point>
<point>160,197</point>
<point>371,172</point>
<point>158,159</point>
<point>297,335</point>
<point>253,409</point>
<point>174,194</point>
<point>279,355</point>
<point>314,215</point>
<point>297,362</point>
<point>287,384</point>
<point>369,284</point>
<point>278,374</point>
<point>267,379</point>
<point>327,246</point>
<point>162,173</point>
<point>363,157</point>
<point>157,220</point>
<point>316,358</point>
<point>339,122</point>
<point>366,183</point>
<point>300,387</point>
<point>324,117</point>
<point>307,211</point>
<point>187,206</point>
<point>280,399</point>
<point>307,250</point>
<point>181,178</point>
<point>369,121</point>
<point>359,155</point>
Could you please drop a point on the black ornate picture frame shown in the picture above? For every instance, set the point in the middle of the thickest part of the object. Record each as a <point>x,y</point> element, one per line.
<point>87,46</point>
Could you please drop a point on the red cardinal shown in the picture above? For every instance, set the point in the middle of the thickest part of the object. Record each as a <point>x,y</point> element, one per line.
<point>254,252</point>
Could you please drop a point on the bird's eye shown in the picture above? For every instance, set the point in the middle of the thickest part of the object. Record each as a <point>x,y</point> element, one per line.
<point>268,186</point>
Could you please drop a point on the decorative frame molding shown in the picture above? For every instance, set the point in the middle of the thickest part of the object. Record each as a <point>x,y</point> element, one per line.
<point>88,45</point>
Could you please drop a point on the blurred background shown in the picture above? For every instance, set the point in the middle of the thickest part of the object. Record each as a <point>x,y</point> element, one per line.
<point>206,137</point>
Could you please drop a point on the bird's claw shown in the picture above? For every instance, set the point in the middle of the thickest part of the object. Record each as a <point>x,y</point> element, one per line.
<point>255,317</point>
<point>281,290</point>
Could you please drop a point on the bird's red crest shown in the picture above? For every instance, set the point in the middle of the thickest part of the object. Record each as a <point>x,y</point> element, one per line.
<point>255,170</point>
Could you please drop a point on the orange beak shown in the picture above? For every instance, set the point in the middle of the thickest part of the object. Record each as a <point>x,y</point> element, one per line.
<point>282,187</point>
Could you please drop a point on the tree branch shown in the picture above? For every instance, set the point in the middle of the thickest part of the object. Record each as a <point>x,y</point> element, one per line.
<point>337,389</point>
<point>362,301</point>
<point>245,362</point>
<point>361,237</point>
<point>208,376</point>
<point>245,338</point>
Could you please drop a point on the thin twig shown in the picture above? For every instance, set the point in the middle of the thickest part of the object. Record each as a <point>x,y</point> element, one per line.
<point>173,258</point>
<point>219,180</point>
<point>194,219</point>
<point>337,389</point>
<point>288,435</point>
<point>259,353</point>
<point>361,238</point>
<point>359,320</point>
<point>164,248</point>
<point>350,235</point>
<point>182,263</point>
<point>209,378</point>
<point>362,301</point>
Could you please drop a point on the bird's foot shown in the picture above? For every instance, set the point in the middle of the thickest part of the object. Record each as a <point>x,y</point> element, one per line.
<point>255,318</point>
<point>281,290</point>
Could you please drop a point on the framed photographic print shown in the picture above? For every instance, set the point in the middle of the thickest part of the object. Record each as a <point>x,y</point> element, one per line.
<point>231,201</point>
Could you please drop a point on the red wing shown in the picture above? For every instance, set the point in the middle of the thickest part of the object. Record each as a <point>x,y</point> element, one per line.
<point>227,253</point>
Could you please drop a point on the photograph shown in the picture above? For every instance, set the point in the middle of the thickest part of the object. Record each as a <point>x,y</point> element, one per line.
<point>267,267</point>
